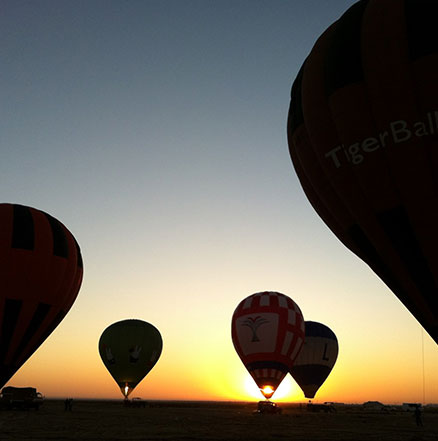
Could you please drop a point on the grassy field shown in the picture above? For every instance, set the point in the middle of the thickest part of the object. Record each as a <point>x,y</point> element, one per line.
<point>110,420</point>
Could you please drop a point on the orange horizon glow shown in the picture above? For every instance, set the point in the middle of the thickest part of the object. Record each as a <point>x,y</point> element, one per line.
<point>235,385</point>
<point>287,392</point>
<point>362,373</point>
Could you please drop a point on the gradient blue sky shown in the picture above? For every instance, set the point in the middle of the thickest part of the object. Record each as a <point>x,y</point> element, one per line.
<point>156,132</point>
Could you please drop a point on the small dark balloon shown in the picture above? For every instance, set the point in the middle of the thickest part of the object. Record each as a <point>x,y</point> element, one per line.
<point>316,358</point>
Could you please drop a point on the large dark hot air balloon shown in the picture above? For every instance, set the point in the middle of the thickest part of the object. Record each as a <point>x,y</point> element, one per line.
<point>40,276</point>
<point>129,349</point>
<point>267,329</point>
<point>316,359</point>
<point>363,137</point>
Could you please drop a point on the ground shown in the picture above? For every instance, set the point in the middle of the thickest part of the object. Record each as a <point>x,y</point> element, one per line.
<point>190,421</point>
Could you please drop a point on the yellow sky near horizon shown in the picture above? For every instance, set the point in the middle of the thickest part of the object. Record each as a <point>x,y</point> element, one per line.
<point>216,373</point>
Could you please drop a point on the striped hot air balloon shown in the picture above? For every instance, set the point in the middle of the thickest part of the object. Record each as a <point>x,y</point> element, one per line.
<point>316,359</point>
<point>363,136</point>
<point>40,276</point>
<point>267,329</point>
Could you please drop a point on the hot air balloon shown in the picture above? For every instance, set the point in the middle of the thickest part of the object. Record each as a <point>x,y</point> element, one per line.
<point>363,136</point>
<point>316,358</point>
<point>267,329</point>
<point>40,275</point>
<point>129,349</point>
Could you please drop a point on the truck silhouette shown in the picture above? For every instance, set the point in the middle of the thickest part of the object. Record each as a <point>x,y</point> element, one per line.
<point>20,398</point>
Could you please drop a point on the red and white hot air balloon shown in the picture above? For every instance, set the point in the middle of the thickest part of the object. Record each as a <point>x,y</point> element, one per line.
<point>268,332</point>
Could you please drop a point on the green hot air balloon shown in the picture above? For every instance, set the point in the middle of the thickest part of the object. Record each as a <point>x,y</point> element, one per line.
<point>129,349</point>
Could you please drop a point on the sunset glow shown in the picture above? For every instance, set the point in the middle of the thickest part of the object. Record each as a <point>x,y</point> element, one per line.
<point>284,392</point>
<point>156,131</point>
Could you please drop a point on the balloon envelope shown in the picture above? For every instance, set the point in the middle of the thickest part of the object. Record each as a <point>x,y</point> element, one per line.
<point>363,137</point>
<point>316,358</point>
<point>40,275</point>
<point>129,349</point>
<point>267,329</point>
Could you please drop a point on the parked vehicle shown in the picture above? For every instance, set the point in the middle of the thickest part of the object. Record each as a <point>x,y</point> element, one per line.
<point>267,407</point>
<point>374,406</point>
<point>20,398</point>
<point>135,402</point>
<point>311,407</point>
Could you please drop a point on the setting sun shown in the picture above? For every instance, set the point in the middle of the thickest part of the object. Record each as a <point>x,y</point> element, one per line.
<point>284,392</point>
<point>267,391</point>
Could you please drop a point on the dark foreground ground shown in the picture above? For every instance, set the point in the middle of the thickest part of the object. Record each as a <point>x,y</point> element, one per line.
<point>92,420</point>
